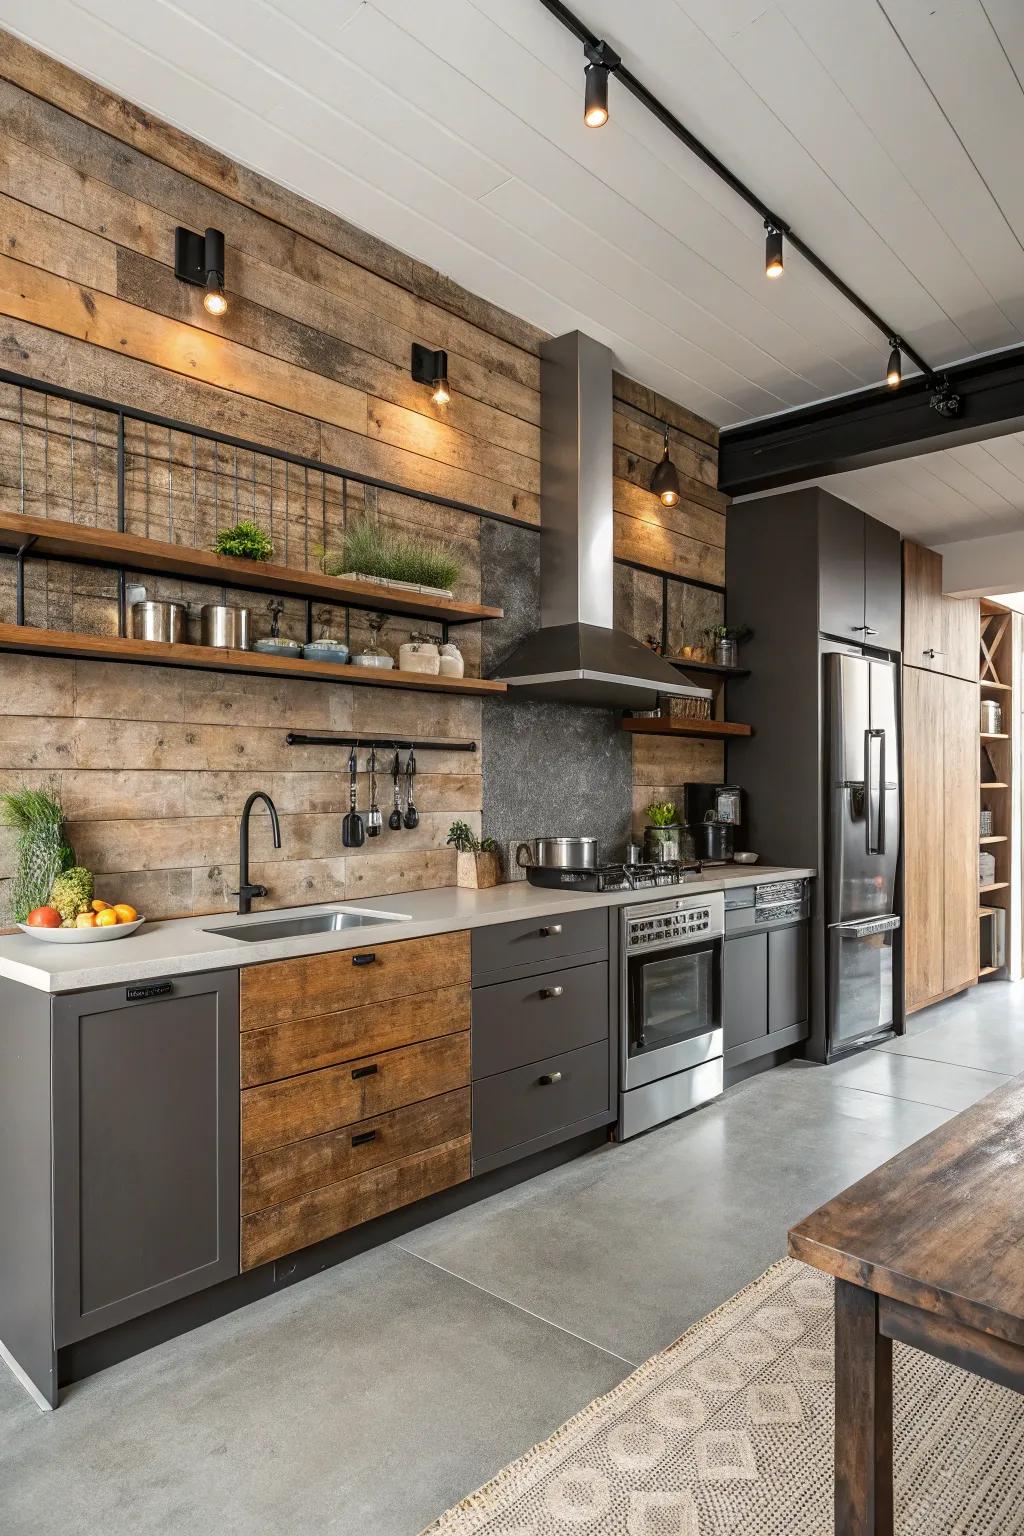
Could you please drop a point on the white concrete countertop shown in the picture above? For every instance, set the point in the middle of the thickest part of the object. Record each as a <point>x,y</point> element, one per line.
<point>186,945</point>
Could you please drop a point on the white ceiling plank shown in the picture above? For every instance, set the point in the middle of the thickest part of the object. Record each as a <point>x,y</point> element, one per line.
<point>963,62</point>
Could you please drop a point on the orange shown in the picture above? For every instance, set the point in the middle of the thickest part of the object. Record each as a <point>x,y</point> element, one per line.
<point>100,906</point>
<point>125,913</point>
<point>107,918</point>
<point>85,920</point>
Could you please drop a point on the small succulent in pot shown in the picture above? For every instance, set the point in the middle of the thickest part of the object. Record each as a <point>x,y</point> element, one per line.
<point>245,541</point>
<point>478,863</point>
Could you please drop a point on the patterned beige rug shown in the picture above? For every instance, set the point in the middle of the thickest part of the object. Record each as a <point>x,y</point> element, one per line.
<point>729,1433</point>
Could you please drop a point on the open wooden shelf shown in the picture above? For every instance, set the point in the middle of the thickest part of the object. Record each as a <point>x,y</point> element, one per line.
<point>997,885</point>
<point>995,838</point>
<point>49,642</point>
<point>707,728</point>
<point>706,666</point>
<point>990,683</point>
<point>989,970</point>
<point>58,540</point>
<point>994,784</point>
<point>995,735</point>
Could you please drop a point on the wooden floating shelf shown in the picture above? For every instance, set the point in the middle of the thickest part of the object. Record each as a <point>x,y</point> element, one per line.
<point>997,885</point>
<point>995,735</point>
<point>995,784</point>
<point>98,546</point>
<point>989,970</point>
<point>708,728</point>
<point>995,838</point>
<point>988,682</point>
<point>207,658</point>
<point>706,666</point>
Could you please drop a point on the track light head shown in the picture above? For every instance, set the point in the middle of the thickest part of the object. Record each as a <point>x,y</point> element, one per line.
<point>773,264</point>
<point>199,259</point>
<point>601,61</point>
<point>665,478</point>
<point>894,372</point>
<point>429,367</point>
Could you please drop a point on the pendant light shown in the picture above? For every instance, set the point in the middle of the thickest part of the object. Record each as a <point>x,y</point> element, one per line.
<point>665,479</point>
<point>601,60</point>
<point>772,250</point>
<point>894,372</point>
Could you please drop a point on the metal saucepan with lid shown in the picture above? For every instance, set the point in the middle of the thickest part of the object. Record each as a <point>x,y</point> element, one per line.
<point>558,853</point>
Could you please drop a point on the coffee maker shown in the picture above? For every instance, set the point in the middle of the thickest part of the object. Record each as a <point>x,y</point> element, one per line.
<point>713,812</point>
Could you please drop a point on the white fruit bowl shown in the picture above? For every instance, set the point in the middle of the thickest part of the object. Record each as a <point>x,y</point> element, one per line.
<point>82,935</point>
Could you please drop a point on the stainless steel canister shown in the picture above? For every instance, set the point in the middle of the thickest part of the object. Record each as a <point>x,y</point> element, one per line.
<point>158,621</point>
<point>223,625</point>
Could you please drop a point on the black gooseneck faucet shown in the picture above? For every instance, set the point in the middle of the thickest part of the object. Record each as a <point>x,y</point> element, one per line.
<point>246,892</point>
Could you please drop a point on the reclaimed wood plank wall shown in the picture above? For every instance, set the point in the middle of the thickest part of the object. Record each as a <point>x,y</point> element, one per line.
<point>312,357</point>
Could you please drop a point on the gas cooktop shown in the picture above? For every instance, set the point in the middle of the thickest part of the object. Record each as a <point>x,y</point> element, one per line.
<point>614,877</point>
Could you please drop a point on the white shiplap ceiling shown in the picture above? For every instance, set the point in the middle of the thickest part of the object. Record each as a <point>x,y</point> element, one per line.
<point>888,132</point>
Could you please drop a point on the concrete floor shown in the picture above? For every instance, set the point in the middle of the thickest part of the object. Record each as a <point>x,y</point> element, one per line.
<point>367,1400</point>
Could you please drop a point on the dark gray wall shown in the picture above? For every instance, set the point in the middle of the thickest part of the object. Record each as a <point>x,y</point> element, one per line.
<point>555,770</point>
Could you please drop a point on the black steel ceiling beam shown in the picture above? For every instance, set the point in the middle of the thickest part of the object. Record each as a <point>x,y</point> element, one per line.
<point>657,108</point>
<point>873,426</point>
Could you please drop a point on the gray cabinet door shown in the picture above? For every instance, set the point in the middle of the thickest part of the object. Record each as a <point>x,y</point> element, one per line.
<point>145,1147</point>
<point>883,586</point>
<point>841,570</point>
<point>787,976</point>
<point>745,990</point>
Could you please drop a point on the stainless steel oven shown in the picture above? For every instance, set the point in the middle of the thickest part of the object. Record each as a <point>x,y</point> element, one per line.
<point>671,1008</point>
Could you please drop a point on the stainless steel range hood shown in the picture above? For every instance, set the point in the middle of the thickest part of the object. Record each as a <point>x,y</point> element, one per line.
<point>576,654</point>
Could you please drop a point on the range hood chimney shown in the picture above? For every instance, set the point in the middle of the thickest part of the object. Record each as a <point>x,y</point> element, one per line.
<point>576,654</point>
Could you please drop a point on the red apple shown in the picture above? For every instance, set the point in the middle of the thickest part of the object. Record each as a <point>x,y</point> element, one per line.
<point>44,917</point>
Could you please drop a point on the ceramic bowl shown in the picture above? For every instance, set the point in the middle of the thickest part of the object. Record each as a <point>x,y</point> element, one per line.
<point>82,935</point>
<point>745,858</point>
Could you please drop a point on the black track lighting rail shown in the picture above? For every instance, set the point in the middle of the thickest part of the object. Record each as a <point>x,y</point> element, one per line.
<point>668,120</point>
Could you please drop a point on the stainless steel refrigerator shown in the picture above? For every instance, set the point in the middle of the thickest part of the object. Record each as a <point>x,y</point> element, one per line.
<point>862,784</point>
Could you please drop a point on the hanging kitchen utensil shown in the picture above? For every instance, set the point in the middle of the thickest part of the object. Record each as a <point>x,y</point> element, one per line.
<point>374,819</point>
<point>395,819</point>
<point>412,815</point>
<point>352,833</point>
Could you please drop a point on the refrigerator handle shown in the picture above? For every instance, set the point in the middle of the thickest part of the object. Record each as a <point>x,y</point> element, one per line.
<point>876,734</point>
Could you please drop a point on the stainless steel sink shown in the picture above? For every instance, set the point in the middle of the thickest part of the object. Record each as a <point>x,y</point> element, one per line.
<point>295,927</point>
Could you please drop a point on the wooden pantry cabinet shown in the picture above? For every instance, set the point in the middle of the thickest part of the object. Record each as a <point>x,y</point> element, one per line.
<point>940,634</point>
<point>940,880</point>
<point>355,1097</point>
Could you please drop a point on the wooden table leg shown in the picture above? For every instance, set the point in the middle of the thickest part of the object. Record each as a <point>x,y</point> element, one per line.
<point>863,1452</point>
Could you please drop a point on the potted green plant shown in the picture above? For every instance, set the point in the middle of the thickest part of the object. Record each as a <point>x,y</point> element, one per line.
<point>245,540</point>
<point>478,865</point>
<point>372,552</point>
<point>661,836</point>
<point>726,639</point>
<point>37,816</point>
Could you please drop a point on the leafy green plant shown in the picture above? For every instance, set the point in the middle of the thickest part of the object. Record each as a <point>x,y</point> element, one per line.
<point>662,813</point>
<point>741,633</point>
<point>246,541</point>
<point>462,837</point>
<point>370,549</point>
<point>37,816</point>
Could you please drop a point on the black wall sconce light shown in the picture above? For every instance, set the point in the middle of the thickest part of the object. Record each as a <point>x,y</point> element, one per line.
<point>431,368</point>
<point>199,259</point>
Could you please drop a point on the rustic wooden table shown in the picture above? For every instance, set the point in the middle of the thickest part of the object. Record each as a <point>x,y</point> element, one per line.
<point>929,1250</point>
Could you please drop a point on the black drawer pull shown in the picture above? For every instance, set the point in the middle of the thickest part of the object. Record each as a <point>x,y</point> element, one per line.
<point>363,959</point>
<point>549,933</point>
<point>551,991</point>
<point>364,1071</point>
<point>153,989</point>
<point>549,1078</point>
<point>363,1137</point>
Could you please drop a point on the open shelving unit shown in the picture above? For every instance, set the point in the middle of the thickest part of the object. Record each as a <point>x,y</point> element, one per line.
<point>706,728</point>
<point>996,682</point>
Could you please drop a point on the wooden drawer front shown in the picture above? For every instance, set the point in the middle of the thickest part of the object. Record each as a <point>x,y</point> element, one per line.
<point>518,1106</point>
<point>539,940</point>
<point>515,1022</point>
<point>323,1213</point>
<point>303,1045</point>
<point>299,1107</point>
<point>310,985</point>
<point>285,1173</point>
